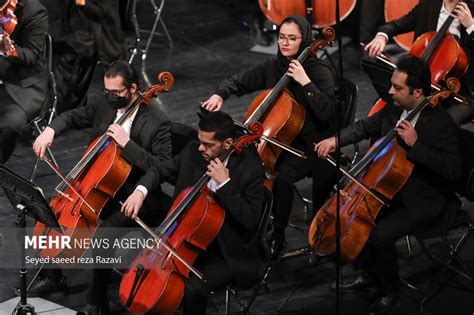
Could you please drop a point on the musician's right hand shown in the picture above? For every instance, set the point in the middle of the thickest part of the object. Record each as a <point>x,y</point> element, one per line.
<point>325,147</point>
<point>376,46</point>
<point>214,103</point>
<point>44,141</point>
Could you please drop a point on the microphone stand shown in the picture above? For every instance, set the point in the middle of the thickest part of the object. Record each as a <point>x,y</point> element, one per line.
<point>340,98</point>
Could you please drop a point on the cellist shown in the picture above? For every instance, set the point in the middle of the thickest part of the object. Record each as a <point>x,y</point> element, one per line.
<point>312,85</point>
<point>238,185</point>
<point>426,205</point>
<point>145,139</point>
<point>429,15</point>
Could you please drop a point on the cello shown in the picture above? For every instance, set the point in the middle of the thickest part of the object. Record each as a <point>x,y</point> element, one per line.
<point>320,12</point>
<point>156,279</point>
<point>393,10</point>
<point>442,52</point>
<point>95,179</point>
<point>367,187</point>
<point>281,116</point>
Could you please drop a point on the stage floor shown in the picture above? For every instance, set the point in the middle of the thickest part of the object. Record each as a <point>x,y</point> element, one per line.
<point>210,41</point>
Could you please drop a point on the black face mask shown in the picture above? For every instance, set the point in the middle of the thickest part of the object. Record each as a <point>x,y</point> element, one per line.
<point>116,101</point>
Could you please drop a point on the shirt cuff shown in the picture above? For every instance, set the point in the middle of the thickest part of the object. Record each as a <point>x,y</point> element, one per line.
<point>383,35</point>
<point>470,29</point>
<point>142,189</point>
<point>221,185</point>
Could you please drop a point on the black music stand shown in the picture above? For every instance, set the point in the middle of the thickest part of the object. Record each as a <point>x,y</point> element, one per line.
<point>27,199</point>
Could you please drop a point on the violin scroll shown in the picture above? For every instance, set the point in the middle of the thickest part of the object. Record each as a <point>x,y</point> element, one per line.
<point>453,84</point>
<point>329,37</point>
<point>438,97</point>
<point>165,82</point>
<point>256,130</point>
<point>166,79</point>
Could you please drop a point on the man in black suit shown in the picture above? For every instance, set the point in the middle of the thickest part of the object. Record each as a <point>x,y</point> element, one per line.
<point>22,71</point>
<point>145,141</point>
<point>426,205</point>
<point>87,31</point>
<point>427,16</point>
<point>238,186</point>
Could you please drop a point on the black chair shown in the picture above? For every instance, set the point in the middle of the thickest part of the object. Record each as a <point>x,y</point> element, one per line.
<point>181,135</point>
<point>261,238</point>
<point>452,261</point>
<point>49,107</point>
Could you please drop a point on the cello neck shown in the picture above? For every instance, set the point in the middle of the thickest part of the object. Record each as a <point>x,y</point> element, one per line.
<point>275,92</point>
<point>363,163</point>
<point>84,161</point>
<point>437,38</point>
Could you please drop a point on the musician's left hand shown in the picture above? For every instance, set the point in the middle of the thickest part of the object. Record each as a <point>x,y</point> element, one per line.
<point>118,134</point>
<point>217,171</point>
<point>296,71</point>
<point>407,133</point>
<point>132,205</point>
<point>463,14</point>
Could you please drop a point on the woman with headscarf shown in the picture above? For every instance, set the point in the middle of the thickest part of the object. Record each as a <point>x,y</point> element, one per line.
<point>312,84</point>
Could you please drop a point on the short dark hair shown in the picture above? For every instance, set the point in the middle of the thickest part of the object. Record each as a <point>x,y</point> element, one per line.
<point>126,71</point>
<point>418,73</point>
<point>219,122</point>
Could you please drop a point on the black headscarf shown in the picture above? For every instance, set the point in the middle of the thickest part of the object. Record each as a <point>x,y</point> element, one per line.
<point>306,39</point>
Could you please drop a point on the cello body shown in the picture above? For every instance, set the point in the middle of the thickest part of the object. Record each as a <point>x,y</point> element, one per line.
<point>283,122</point>
<point>323,11</point>
<point>393,10</point>
<point>96,183</point>
<point>157,269</point>
<point>387,174</point>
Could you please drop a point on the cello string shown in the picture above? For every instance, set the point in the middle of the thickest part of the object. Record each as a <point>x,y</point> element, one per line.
<point>161,241</point>
<point>70,186</point>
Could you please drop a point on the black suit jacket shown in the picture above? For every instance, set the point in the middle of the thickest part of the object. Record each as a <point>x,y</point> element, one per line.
<point>25,77</point>
<point>106,29</point>
<point>242,199</point>
<point>150,137</point>
<point>424,18</point>
<point>428,196</point>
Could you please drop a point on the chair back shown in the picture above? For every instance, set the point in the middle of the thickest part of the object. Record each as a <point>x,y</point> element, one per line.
<point>466,185</point>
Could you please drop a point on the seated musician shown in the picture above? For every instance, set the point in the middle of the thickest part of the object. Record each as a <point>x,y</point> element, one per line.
<point>22,70</point>
<point>312,85</point>
<point>429,16</point>
<point>238,186</point>
<point>426,205</point>
<point>145,140</point>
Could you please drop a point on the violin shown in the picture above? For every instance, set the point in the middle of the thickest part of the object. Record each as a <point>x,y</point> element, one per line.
<point>155,282</point>
<point>95,179</point>
<point>8,23</point>
<point>320,12</point>
<point>366,188</point>
<point>281,116</point>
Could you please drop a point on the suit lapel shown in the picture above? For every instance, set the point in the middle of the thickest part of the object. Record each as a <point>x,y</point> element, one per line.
<point>139,121</point>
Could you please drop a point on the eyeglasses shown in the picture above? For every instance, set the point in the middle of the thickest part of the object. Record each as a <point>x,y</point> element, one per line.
<point>107,92</point>
<point>290,39</point>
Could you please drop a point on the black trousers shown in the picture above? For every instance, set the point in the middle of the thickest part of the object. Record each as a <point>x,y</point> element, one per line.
<point>73,74</point>
<point>12,119</point>
<point>217,274</point>
<point>291,169</point>
<point>379,255</point>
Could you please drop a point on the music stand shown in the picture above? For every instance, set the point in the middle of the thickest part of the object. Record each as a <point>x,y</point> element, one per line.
<point>27,199</point>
